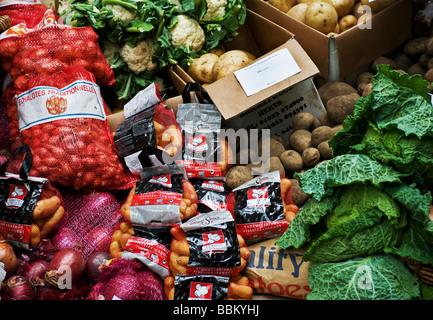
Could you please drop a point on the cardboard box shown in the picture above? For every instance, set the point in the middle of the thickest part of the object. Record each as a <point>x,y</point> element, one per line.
<point>274,106</point>
<point>339,56</point>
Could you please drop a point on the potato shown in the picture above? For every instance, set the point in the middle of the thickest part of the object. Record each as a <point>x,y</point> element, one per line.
<point>325,150</point>
<point>358,10</point>
<point>245,156</point>
<point>283,5</point>
<point>424,59</point>
<point>276,165</point>
<point>300,140</point>
<point>271,164</point>
<point>360,88</point>
<point>275,148</point>
<point>321,16</point>
<point>298,11</point>
<point>337,128</point>
<point>237,176</point>
<point>415,46</point>
<point>326,121</point>
<point>334,88</point>
<point>347,21</point>
<point>218,50</point>
<point>299,197</point>
<point>416,69</point>
<point>402,61</point>
<point>377,5</point>
<point>429,75</point>
<point>310,157</point>
<point>367,90</point>
<point>303,120</point>
<point>383,60</point>
<point>364,77</point>
<point>201,68</point>
<point>278,138</point>
<point>342,7</point>
<point>237,58</point>
<point>292,160</point>
<point>321,134</point>
<point>340,107</point>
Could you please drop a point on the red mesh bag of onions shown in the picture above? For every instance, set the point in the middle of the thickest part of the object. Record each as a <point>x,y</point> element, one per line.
<point>62,117</point>
<point>25,12</point>
<point>125,279</point>
<point>90,220</point>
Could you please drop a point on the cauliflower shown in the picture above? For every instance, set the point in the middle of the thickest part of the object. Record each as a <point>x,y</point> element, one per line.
<point>187,32</point>
<point>216,9</point>
<point>139,58</point>
<point>122,13</point>
<point>110,48</point>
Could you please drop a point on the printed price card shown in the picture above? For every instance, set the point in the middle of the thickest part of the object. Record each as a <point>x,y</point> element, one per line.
<point>270,70</point>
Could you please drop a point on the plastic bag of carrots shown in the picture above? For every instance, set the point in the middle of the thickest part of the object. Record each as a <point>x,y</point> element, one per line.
<point>149,135</point>
<point>263,207</point>
<point>28,12</point>
<point>30,207</point>
<point>207,287</point>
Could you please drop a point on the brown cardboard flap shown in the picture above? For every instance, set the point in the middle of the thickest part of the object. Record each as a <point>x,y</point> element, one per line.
<point>230,98</point>
<point>314,42</point>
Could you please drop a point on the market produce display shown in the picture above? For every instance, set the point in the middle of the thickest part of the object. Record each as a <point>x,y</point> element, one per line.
<point>140,38</point>
<point>339,207</point>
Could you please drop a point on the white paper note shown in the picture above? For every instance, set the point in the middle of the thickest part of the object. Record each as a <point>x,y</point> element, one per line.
<point>266,72</point>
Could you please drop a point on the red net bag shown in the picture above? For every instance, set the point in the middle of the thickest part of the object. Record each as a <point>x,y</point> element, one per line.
<point>49,48</point>
<point>27,12</point>
<point>62,117</point>
<point>91,218</point>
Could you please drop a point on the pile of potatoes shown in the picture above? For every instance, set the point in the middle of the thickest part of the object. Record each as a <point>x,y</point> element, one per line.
<point>217,64</point>
<point>415,57</point>
<point>306,146</point>
<point>331,17</point>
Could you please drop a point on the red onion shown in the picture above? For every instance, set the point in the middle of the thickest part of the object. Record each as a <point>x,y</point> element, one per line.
<point>18,288</point>
<point>65,238</point>
<point>65,263</point>
<point>34,272</point>
<point>97,240</point>
<point>94,264</point>
<point>127,279</point>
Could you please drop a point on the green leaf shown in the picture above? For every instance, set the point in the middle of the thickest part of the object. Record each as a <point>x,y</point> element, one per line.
<point>376,277</point>
<point>298,233</point>
<point>344,170</point>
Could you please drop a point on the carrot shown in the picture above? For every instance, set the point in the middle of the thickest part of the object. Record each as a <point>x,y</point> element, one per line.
<point>35,236</point>
<point>169,287</point>
<point>51,222</point>
<point>178,232</point>
<point>124,239</point>
<point>46,207</point>
<point>180,246</point>
<point>237,291</point>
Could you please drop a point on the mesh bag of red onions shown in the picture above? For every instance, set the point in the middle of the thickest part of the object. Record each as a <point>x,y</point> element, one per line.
<point>90,220</point>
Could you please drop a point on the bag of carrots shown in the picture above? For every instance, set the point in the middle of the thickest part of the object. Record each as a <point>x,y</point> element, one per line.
<point>30,207</point>
<point>149,135</point>
<point>29,12</point>
<point>207,287</point>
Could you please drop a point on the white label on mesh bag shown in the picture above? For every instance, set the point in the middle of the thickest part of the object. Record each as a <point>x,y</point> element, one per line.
<point>80,99</point>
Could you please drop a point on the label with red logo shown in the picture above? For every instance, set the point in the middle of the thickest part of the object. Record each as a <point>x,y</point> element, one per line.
<point>16,196</point>
<point>213,241</point>
<point>200,287</point>
<point>164,180</point>
<point>200,291</point>
<point>199,169</point>
<point>44,104</point>
<point>258,197</point>
<point>197,144</point>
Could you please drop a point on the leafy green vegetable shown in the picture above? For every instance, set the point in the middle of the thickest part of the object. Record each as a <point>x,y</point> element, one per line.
<point>344,170</point>
<point>393,125</point>
<point>152,19</point>
<point>357,207</point>
<point>375,277</point>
